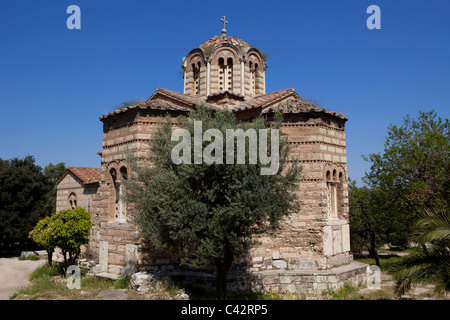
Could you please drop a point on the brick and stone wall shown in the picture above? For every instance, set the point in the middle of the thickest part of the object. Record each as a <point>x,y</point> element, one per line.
<point>115,242</point>
<point>311,239</point>
<point>84,195</point>
<point>70,188</point>
<point>304,283</point>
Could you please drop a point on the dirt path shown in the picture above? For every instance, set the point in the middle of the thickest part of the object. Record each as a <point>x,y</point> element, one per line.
<point>15,273</point>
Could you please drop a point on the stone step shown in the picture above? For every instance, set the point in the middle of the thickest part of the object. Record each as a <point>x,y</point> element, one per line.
<point>108,275</point>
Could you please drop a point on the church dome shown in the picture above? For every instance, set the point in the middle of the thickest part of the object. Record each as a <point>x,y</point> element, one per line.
<point>224,64</point>
<point>215,42</point>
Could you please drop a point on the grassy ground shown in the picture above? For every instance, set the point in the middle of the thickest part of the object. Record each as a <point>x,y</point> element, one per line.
<point>49,283</point>
<point>385,261</point>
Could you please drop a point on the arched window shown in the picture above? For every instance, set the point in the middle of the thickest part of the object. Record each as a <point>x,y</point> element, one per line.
<point>253,67</point>
<point>72,200</point>
<point>225,74</point>
<point>118,185</point>
<point>229,74</point>
<point>332,195</point>
<point>196,74</point>
<point>254,75</point>
<point>335,193</point>
<point>113,174</point>
<point>124,173</point>
<point>222,72</point>
<point>340,194</point>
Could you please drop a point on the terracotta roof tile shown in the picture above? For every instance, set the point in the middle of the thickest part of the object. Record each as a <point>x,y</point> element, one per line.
<point>293,105</point>
<point>216,41</point>
<point>155,103</point>
<point>86,175</point>
<point>266,99</point>
<point>181,97</point>
<point>286,100</point>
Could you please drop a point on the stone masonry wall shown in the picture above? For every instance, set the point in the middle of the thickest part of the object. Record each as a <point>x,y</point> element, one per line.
<point>86,197</point>
<point>306,283</point>
<point>70,184</point>
<point>311,239</point>
<point>308,240</point>
<point>112,239</point>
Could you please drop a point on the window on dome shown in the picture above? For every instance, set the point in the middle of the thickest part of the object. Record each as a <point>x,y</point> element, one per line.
<point>253,83</point>
<point>222,72</point>
<point>196,73</point>
<point>225,74</point>
<point>229,74</point>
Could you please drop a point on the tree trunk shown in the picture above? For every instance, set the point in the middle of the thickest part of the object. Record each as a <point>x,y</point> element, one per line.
<point>222,271</point>
<point>373,249</point>
<point>49,256</point>
<point>220,279</point>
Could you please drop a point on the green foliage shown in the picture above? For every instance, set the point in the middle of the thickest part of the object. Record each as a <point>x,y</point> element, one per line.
<point>52,172</point>
<point>430,260</point>
<point>43,285</point>
<point>23,188</point>
<point>414,167</point>
<point>40,282</point>
<point>27,194</point>
<point>43,234</point>
<point>432,227</point>
<point>47,271</point>
<point>208,213</point>
<point>67,230</point>
<point>386,260</point>
<point>346,292</point>
<point>32,258</point>
<point>71,228</point>
<point>410,175</point>
<point>96,283</point>
<point>375,220</point>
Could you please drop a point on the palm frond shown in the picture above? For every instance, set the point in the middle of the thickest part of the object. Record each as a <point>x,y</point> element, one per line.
<point>429,262</point>
<point>431,266</point>
<point>434,225</point>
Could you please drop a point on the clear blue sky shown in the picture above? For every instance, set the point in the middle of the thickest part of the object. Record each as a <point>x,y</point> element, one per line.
<point>55,83</point>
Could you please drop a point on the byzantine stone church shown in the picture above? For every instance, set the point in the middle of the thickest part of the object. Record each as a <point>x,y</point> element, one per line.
<point>224,73</point>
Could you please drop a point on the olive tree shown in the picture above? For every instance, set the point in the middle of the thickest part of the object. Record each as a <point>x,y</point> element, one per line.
<point>209,213</point>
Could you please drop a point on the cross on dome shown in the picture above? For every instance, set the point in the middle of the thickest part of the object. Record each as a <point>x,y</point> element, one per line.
<point>224,31</point>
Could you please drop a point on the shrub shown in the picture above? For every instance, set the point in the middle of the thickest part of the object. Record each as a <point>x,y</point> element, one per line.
<point>67,230</point>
